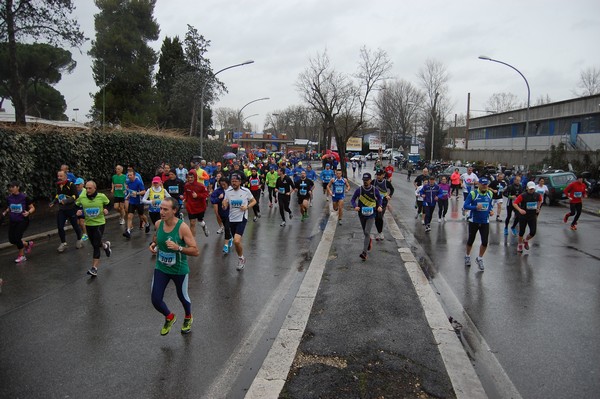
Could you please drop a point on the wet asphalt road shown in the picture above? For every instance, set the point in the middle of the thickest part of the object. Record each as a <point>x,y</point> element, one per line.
<point>64,334</point>
<point>539,313</point>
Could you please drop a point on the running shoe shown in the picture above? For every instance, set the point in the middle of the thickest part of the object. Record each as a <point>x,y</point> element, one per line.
<point>427,229</point>
<point>29,247</point>
<point>230,242</point>
<point>107,249</point>
<point>270,205</point>
<point>20,259</point>
<point>291,216</point>
<point>566,218</point>
<point>79,244</point>
<point>187,325</point>
<point>241,263</point>
<point>168,324</point>
<point>480,263</point>
<point>122,221</point>
<point>127,234</point>
<point>340,222</point>
<point>84,237</point>
<point>497,218</point>
<point>147,227</point>
<point>520,249</point>
<point>93,271</point>
<point>574,227</point>
<point>439,220</point>
<point>282,224</point>
<point>255,218</point>
<point>506,231</point>
<point>302,218</point>
<point>220,231</point>
<point>514,231</point>
<point>526,245</point>
<point>62,246</point>
<point>370,244</point>
<point>205,228</point>
<point>225,249</point>
<point>363,255</point>
<point>259,215</point>
<point>467,261</point>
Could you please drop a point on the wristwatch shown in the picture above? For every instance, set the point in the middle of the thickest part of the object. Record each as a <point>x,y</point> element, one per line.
<point>180,249</point>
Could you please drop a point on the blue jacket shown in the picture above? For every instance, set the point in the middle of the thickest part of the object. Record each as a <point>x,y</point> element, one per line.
<point>431,193</point>
<point>485,199</point>
<point>327,175</point>
<point>215,200</point>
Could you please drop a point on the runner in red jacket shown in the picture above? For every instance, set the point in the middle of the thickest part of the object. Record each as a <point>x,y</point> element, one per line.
<point>575,191</point>
<point>194,196</point>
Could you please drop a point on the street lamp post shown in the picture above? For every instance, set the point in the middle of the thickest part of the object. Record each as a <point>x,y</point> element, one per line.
<point>485,58</point>
<point>211,77</point>
<point>245,105</point>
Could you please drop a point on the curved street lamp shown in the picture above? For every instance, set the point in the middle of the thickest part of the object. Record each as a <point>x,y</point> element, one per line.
<point>485,58</point>
<point>211,77</point>
<point>245,105</point>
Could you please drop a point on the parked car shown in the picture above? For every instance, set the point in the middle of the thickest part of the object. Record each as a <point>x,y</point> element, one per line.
<point>358,158</point>
<point>449,170</point>
<point>556,183</point>
<point>390,153</point>
<point>371,156</point>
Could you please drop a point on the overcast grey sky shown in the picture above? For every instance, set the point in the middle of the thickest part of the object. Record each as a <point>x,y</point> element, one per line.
<point>549,41</point>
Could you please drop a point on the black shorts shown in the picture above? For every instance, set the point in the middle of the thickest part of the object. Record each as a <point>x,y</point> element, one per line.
<point>133,208</point>
<point>302,198</point>
<point>118,199</point>
<point>237,227</point>
<point>199,216</point>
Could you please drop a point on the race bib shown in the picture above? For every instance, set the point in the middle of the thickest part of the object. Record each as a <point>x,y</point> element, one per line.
<point>577,194</point>
<point>443,193</point>
<point>302,191</point>
<point>281,190</point>
<point>118,187</point>
<point>254,182</point>
<point>531,206</point>
<point>16,208</point>
<point>484,206</point>
<point>236,203</point>
<point>367,210</point>
<point>92,212</point>
<point>173,189</point>
<point>133,194</point>
<point>61,197</point>
<point>339,189</point>
<point>167,258</point>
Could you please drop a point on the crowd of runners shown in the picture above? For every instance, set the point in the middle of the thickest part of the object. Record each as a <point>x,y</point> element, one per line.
<point>234,189</point>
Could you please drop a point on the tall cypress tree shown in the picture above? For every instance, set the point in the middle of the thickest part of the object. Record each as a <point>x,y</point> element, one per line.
<point>171,63</point>
<point>123,61</point>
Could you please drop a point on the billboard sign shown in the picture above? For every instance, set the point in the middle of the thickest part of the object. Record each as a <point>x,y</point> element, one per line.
<point>354,144</point>
<point>375,143</point>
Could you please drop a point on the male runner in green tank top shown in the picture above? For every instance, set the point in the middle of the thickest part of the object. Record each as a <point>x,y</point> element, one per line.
<point>173,242</point>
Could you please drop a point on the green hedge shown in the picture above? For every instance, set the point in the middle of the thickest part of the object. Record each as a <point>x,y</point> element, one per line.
<point>33,157</point>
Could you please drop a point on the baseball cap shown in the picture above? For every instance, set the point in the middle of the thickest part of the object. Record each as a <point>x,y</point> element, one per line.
<point>156,179</point>
<point>79,181</point>
<point>484,181</point>
<point>235,176</point>
<point>367,176</point>
<point>530,185</point>
<point>380,172</point>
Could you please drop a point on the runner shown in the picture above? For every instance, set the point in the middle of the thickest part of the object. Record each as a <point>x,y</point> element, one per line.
<point>366,201</point>
<point>354,165</point>
<point>94,206</point>
<point>479,202</point>
<point>66,193</point>
<point>429,193</point>
<point>79,183</point>
<point>19,208</point>
<point>527,216</point>
<point>305,187</point>
<point>337,189</point>
<point>175,187</point>
<point>173,242</point>
<point>135,193</point>
<point>468,182</point>
<point>216,199</point>
<point>285,187</point>
<point>422,179</point>
<point>271,180</point>
<point>153,197</point>
<point>497,187</point>
<point>512,192</point>
<point>195,196</point>
<point>326,176</point>
<point>312,175</point>
<point>575,192</point>
<point>238,199</point>
<point>419,204</point>
<point>181,172</point>
<point>386,190</point>
<point>255,183</point>
<point>389,171</point>
<point>118,191</point>
<point>443,199</point>
<point>542,189</point>
<point>455,181</point>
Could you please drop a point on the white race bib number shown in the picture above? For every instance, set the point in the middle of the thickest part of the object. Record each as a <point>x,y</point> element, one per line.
<point>16,208</point>
<point>92,212</point>
<point>577,194</point>
<point>367,210</point>
<point>531,205</point>
<point>167,258</point>
<point>236,203</point>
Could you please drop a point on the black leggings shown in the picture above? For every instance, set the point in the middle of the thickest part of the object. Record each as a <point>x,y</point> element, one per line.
<point>61,217</point>
<point>509,212</point>
<point>484,231</point>
<point>575,210</point>
<point>429,209</point>
<point>272,194</point>
<point>284,205</point>
<point>443,207</point>
<point>16,231</point>
<point>95,236</point>
<point>526,220</point>
<point>159,284</point>
<point>256,208</point>
<point>379,219</point>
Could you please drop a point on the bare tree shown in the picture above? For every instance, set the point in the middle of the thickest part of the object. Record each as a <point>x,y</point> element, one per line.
<point>342,100</point>
<point>589,82</point>
<point>541,100</point>
<point>434,81</point>
<point>502,102</point>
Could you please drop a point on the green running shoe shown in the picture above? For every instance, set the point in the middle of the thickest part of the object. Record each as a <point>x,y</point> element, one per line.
<point>187,325</point>
<point>168,324</point>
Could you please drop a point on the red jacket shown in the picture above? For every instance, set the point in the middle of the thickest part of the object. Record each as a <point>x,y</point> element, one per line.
<point>575,192</point>
<point>198,204</point>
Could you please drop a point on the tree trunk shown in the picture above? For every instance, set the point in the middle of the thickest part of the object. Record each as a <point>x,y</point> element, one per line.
<point>193,122</point>
<point>16,87</point>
